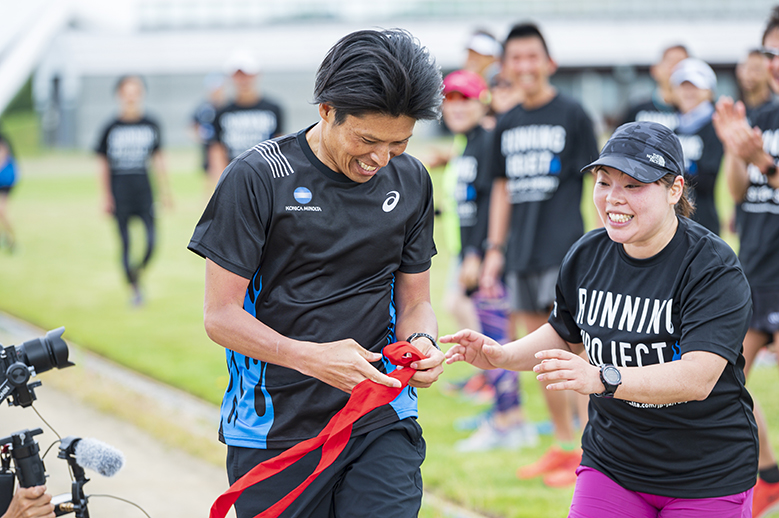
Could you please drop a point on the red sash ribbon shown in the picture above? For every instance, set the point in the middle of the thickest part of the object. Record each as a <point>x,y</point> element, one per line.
<point>366,396</point>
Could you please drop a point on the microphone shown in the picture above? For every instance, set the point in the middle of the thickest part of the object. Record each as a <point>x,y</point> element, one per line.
<point>98,456</point>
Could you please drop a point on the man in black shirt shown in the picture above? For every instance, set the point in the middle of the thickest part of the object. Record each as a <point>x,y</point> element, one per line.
<point>539,148</point>
<point>248,120</point>
<point>754,82</point>
<point>318,248</point>
<point>750,167</point>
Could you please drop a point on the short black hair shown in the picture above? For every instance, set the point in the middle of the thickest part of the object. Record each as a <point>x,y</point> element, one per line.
<point>773,23</point>
<point>380,71</point>
<point>526,30</point>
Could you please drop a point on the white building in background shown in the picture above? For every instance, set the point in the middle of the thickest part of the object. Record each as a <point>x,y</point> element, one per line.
<point>78,48</point>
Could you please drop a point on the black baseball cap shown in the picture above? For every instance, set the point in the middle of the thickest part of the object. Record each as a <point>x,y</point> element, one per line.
<point>643,150</point>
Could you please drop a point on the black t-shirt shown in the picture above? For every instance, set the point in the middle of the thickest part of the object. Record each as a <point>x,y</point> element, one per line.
<point>472,192</point>
<point>321,253</point>
<point>540,152</point>
<point>239,128</point>
<point>128,146</point>
<point>692,296</point>
<point>654,111</point>
<point>758,226</point>
<point>702,158</point>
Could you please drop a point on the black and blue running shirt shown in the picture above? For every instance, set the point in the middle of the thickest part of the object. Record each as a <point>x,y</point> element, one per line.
<point>320,253</point>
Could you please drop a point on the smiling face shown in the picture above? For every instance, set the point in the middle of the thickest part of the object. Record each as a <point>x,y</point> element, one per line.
<point>462,114</point>
<point>640,216</point>
<point>771,41</point>
<point>359,146</point>
<point>527,65</point>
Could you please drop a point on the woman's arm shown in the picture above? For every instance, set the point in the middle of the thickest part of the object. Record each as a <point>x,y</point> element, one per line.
<point>689,379</point>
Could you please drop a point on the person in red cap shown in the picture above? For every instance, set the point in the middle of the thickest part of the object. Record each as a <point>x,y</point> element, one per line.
<point>468,182</point>
<point>660,305</point>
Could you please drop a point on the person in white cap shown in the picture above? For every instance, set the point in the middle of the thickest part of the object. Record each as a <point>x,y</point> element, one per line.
<point>692,86</point>
<point>484,52</point>
<point>245,122</point>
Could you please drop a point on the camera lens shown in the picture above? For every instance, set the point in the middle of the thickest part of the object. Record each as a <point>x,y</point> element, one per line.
<point>45,353</point>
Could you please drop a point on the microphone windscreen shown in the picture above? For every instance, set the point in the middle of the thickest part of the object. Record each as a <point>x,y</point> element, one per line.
<point>99,456</point>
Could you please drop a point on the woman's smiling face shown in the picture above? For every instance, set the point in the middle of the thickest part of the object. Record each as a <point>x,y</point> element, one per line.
<point>640,216</point>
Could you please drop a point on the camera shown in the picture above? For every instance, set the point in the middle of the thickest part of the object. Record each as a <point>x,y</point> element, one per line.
<point>18,363</point>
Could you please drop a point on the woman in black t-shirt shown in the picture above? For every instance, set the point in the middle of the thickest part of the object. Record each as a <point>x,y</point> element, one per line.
<point>661,306</point>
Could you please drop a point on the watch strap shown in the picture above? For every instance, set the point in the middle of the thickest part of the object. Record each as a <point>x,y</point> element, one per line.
<point>423,335</point>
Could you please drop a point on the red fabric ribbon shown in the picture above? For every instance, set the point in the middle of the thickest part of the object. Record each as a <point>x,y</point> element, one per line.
<point>366,396</point>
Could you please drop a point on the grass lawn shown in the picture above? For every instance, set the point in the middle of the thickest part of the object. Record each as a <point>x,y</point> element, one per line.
<point>66,271</point>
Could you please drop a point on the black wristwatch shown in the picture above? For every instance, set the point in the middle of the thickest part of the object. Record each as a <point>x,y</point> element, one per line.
<point>611,379</point>
<point>423,335</point>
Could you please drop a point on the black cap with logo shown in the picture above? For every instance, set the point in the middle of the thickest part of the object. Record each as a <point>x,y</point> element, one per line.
<point>644,150</point>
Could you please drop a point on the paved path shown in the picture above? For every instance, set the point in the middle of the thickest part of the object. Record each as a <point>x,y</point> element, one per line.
<point>174,464</point>
<point>163,479</point>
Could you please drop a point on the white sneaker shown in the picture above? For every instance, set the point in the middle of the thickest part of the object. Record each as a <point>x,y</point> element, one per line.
<point>489,437</point>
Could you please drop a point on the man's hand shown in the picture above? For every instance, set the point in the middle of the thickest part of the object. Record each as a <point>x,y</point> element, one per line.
<point>344,364</point>
<point>489,284</point>
<point>429,369</point>
<point>30,502</point>
<point>475,348</point>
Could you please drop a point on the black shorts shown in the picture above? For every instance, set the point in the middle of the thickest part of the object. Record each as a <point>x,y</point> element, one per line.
<point>533,292</point>
<point>377,474</point>
<point>765,310</point>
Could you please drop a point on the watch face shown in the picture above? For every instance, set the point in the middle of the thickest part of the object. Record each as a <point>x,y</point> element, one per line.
<point>611,375</point>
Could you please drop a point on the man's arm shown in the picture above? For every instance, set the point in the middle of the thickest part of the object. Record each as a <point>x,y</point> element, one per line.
<point>497,236</point>
<point>415,315</point>
<point>30,502</point>
<point>342,364</point>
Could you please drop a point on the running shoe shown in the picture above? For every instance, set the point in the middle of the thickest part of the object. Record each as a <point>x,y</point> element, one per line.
<point>554,459</point>
<point>765,499</point>
<point>490,437</point>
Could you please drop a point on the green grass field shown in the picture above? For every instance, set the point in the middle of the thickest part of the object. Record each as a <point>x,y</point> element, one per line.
<point>66,271</point>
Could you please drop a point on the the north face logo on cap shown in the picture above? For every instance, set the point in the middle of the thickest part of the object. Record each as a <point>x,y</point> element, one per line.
<point>656,159</point>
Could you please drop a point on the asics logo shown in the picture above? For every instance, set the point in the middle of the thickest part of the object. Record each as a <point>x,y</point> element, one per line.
<point>391,201</point>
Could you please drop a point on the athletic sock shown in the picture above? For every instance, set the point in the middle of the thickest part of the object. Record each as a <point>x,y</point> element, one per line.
<point>568,445</point>
<point>770,475</point>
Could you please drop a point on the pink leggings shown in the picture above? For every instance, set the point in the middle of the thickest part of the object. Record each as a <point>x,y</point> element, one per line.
<point>597,496</point>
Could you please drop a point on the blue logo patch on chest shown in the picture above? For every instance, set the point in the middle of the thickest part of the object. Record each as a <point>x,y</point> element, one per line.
<point>302,195</point>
